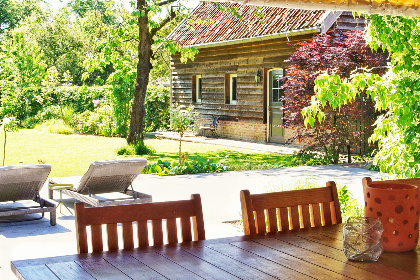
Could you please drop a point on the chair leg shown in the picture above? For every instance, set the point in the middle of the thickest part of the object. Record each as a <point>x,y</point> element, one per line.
<point>50,194</point>
<point>53,217</point>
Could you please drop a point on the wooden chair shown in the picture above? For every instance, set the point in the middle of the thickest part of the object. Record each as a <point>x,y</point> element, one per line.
<point>290,210</point>
<point>155,212</point>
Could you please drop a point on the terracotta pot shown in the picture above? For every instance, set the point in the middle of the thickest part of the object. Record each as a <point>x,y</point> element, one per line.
<point>397,206</point>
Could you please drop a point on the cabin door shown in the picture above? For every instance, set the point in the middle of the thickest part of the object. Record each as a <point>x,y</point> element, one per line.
<point>275,112</point>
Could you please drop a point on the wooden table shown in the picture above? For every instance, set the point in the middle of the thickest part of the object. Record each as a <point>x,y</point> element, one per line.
<point>315,253</point>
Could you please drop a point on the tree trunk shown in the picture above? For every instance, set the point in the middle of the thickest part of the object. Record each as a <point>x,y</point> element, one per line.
<point>143,69</point>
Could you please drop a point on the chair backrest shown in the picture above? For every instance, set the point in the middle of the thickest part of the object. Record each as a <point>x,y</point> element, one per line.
<point>140,214</point>
<point>215,121</point>
<point>110,175</point>
<point>290,210</point>
<point>22,182</point>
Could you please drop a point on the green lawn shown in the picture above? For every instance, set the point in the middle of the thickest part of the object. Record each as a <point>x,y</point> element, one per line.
<point>70,155</point>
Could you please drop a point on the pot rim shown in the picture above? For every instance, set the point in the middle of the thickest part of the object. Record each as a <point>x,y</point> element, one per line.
<point>392,186</point>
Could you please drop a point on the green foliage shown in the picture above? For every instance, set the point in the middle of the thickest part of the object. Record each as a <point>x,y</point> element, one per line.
<point>397,130</point>
<point>21,72</point>
<point>182,120</point>
<point>97,122</point>
<point>308,157</point>
<point>55,126</point>
<point>348,205</point>
<point>163,167</point>
<point>127,150</point>
<point>157,107</point>
<point>142,149</point>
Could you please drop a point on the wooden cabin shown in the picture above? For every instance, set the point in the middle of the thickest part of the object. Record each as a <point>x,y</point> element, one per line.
<point>235,75</point>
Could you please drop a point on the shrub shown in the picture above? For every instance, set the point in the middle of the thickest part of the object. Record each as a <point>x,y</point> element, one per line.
<point>127,150</point>
<point>142,149</point>
<point>55,126</point>
<point>308,157</point>
<point>163,168</point>
<point>157,105</point>
<point>98,122</point>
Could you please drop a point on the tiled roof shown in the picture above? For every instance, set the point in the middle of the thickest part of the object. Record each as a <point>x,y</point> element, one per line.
<point>208,24</point>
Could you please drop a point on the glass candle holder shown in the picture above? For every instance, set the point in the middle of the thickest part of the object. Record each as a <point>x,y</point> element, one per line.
<point>362,239</point>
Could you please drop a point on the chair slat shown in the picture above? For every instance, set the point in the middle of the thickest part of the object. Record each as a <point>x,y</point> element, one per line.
<point>260,219</point>
<point>327,213</point>
<point>142,233</point>
<point>306,217</point>
<point>316,215</point>
<point>284,218</point>
<point>186,229</point>
<point>247,213</point>
<point>97,243</point>
<point>128,240</point>
<point>294,210</point>
<point>81,234</point>
<point>171,228</point>
<point>112,232</point>
<point>157,232</point>
<point>272,220</point>
<point>198,220</point>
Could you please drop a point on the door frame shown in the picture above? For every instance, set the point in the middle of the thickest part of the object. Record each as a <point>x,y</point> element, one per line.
<point>267,94</point>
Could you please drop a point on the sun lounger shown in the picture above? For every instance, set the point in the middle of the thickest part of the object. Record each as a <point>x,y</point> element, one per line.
<point>105,183</point>
<point>23,182</point>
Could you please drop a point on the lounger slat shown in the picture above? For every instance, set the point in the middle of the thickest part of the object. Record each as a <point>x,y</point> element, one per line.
<point>306,217</point>
<point>260,220</point>
<point>326,213</point>
<point>186,229</point>
<point>112,232</point>
<point>128,240</point>
<point>316,214</point>
<point>157,232</point>
<point>142,233</point>
<point>272,220</point>
<point>97,243</point>
<point>294,210</point>
<point>284,218</point>
<point>172,231</point>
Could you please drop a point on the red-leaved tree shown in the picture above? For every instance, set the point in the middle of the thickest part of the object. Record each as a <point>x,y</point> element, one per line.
<point>337,51</point>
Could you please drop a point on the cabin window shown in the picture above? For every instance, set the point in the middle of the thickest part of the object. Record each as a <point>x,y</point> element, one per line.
<point>196,87</point>
<point>231,88</point>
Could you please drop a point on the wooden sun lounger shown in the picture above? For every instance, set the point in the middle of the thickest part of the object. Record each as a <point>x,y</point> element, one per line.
<point>105,183</point>
<point>23,182</point>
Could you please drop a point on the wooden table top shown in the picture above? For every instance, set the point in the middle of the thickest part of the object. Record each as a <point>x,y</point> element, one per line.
<point>307,254</point>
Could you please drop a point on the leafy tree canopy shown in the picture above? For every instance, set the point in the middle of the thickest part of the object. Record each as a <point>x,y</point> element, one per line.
<point>397,93</point>
<point>336,51</point>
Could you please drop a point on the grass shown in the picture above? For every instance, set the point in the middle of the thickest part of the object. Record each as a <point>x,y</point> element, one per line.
<point>71,155</point>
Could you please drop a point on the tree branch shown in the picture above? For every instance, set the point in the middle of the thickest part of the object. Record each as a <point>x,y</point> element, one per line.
<point>162,24</point>
<point>166,2</point>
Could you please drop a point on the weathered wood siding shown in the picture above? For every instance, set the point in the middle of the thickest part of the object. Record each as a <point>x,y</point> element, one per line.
<point>241,59</point>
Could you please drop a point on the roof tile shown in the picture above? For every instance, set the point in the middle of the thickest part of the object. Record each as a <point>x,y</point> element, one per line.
<point>208,24</point>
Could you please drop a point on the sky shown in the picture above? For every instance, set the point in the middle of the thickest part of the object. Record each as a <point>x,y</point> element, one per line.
<point>57,4</point>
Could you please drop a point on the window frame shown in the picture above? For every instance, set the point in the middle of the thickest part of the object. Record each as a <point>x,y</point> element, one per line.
<point>229,89</point>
